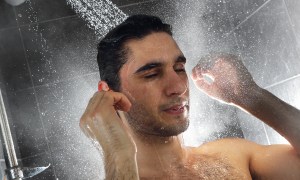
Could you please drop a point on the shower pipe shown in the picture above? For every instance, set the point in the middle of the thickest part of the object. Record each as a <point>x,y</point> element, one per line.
<point>9,150</point>
<point>14,171</point>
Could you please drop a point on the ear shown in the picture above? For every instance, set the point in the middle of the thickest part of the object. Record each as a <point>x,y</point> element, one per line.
<point>102,86</point>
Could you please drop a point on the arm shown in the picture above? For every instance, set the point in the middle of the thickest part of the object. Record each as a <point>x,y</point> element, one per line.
<point>233,84</point>
<point>101,123</point>
<point>122,167</point>
<point>284,118</point>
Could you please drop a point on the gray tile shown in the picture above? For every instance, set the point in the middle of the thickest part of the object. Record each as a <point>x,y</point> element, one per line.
<point>80,162</point>
<point>239,10</point>
<point>26,123</point>
<point>1,150</point>
<point>7,16</point>
<point>60,50</point>
<point>268,46</point>
<point>61,107</point>
<point>13,66</point>
<point>286,91</point>
<point>41,10</point>
<point>253,129</point>
<point>2,169</point>
<point>293,7</point>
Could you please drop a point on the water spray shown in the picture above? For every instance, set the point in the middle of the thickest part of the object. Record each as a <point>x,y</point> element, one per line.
<point>100,15</point>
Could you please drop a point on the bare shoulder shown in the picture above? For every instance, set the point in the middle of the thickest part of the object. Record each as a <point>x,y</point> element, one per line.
<point>230,145</point>
<point>262,161</point>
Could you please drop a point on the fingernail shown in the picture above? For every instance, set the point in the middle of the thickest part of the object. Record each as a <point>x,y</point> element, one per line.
<point>193,76</point>
<point>105,88</point>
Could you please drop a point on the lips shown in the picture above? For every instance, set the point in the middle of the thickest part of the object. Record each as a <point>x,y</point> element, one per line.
<point>176,109</point>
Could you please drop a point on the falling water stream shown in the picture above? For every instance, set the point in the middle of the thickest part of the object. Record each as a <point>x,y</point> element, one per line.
<point>101,16</point>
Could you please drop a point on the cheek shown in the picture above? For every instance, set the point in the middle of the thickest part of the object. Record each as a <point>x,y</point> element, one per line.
<point>147,95</point>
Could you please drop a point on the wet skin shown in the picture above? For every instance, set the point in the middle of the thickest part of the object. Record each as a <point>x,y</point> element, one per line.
<point>146,141</point>
<point>155,81</point>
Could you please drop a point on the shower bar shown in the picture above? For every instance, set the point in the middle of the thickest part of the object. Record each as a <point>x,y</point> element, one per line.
<point>14,171</point>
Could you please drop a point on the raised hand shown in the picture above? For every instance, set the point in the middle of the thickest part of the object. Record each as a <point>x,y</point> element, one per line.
<point>101,122</point>
<point>223,77</point>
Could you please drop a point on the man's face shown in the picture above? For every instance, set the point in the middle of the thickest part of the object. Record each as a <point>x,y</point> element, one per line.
<point>155,81</point>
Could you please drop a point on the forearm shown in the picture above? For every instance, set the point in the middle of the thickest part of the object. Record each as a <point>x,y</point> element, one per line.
<point>123,167</point>
<point>284,118</point>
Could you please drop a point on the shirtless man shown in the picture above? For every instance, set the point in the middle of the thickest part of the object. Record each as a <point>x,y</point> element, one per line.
<point>144,80</point>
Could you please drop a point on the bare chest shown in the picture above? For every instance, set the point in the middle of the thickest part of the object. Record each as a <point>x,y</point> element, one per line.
<point>203,168</point>
<point>210,170</point>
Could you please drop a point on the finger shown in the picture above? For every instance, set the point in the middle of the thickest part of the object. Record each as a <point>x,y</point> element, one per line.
<point>93,103</point>
<point>196,73</point>
<point>199,73</point>
<point>121,102</point>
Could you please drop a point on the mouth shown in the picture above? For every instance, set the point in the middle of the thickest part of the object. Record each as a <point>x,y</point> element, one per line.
<point>177,109</point>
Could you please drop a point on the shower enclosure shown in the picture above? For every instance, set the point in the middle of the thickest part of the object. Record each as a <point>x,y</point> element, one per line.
<point>49,72</point>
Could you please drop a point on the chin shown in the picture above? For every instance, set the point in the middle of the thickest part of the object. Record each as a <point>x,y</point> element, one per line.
<point>172,130</point>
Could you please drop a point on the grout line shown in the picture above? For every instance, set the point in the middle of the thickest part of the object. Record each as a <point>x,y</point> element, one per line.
<point>45,21</point>
<point>292,25</point>
<point>35,155</point>
<point>8,28</point>
<point>283,81</point>
<point>248,17</point>
<point>132,4</point>
<point>289,16</point>
<point>57,82</point>
<point>65,80</point>
<point>35,93</point>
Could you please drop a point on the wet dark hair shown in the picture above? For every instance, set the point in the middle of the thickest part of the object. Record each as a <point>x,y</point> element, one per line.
<point>112,53</point>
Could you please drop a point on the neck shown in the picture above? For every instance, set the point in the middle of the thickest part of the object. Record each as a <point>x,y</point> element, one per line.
<point>155,154</point>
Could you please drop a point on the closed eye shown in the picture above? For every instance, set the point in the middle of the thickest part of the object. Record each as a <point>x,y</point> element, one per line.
<point>150,76</point>
<point>179,67</point>
<point>180,70</point>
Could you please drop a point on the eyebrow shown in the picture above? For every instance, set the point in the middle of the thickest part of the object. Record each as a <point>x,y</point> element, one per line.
<point>151,65</point>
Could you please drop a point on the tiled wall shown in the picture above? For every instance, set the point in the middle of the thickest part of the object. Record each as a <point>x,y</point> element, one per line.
<point>48,66</point>
<point>269,44</point>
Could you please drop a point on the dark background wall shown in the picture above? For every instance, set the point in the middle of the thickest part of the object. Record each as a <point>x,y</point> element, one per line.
<point>48,70</point>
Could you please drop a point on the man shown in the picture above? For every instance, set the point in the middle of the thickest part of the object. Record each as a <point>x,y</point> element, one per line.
<point>143,75</point>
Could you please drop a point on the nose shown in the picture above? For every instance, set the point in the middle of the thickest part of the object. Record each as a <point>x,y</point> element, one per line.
<point>176,84</point>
